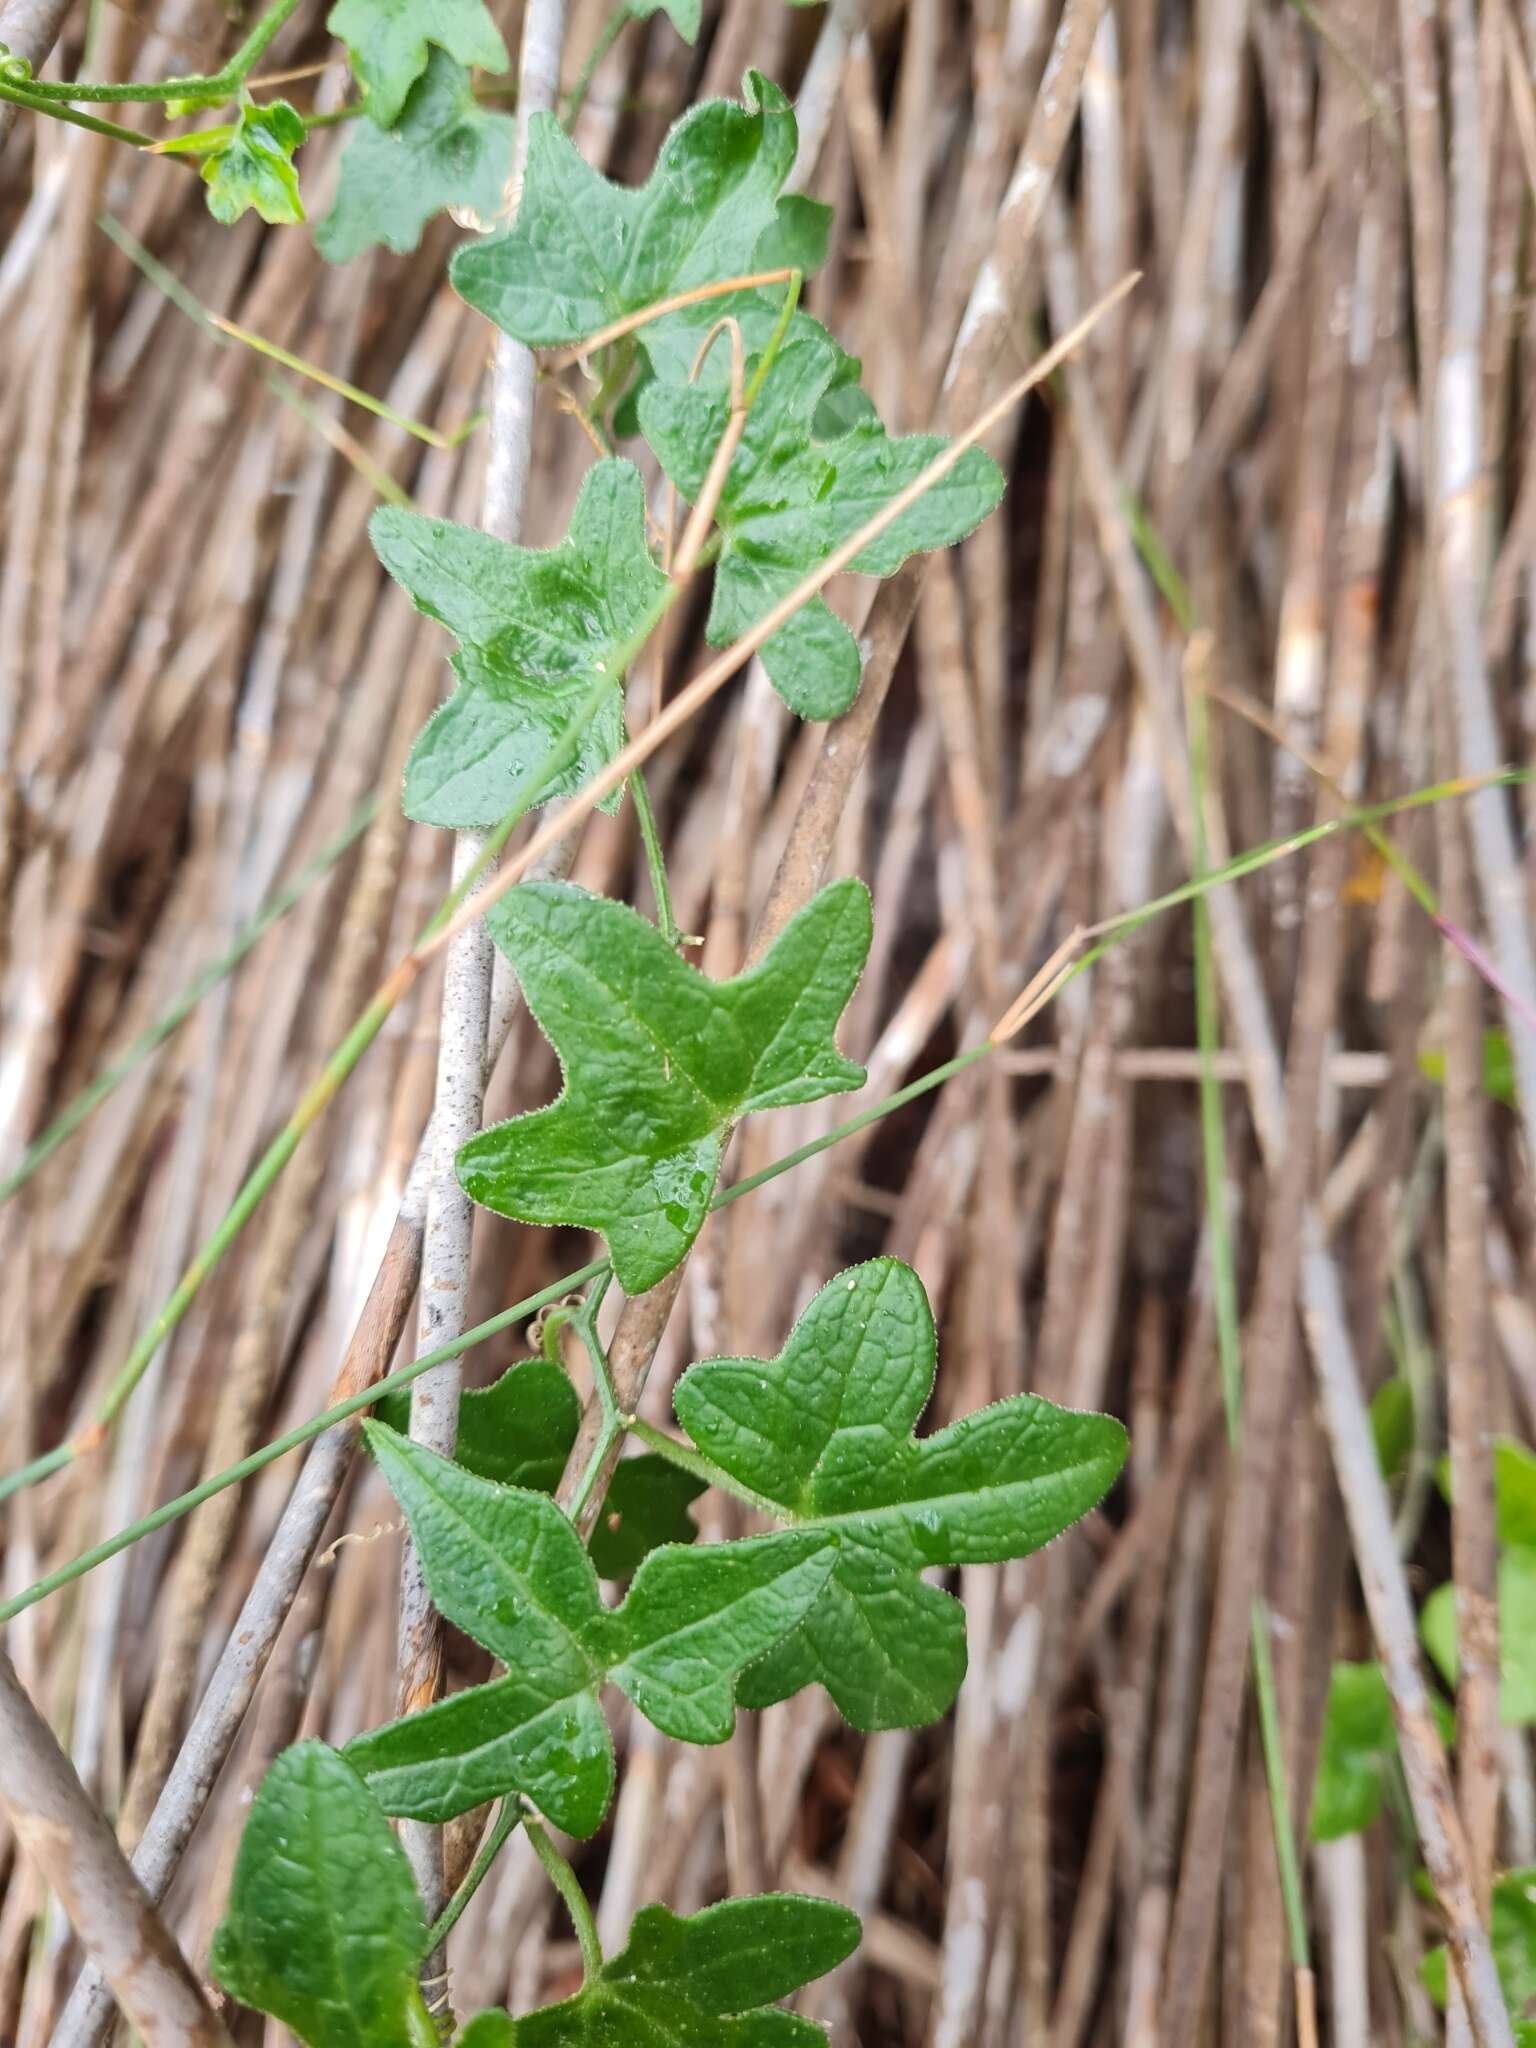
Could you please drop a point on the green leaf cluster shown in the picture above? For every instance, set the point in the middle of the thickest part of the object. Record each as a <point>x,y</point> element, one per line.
<point>707,1981</point>
<point>507,1567</point>
<point>823,1433</point>
<point>658,1063</point>
<point>821,1439</point>
<point>323,1931</point>
<point>815,463</point>
<point>519,1432</point>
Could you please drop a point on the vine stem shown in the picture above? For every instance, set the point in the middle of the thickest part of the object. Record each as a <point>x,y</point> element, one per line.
<point>465,1015</point>
<point>507,1817</point>
<point>1048,984</point>
<point>36,103</point>
<point>717,673</point>
<point>568,1885</point>
<point>456,914</point>
<point>205,90</point>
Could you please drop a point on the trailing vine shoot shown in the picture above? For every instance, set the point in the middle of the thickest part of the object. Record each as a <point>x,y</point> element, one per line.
<point>653,744</point>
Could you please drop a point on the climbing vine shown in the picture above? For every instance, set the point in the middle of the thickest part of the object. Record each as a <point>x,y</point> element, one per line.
<point>683,298</point>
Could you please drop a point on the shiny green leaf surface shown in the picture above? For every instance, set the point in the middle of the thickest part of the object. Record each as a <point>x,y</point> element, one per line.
<point>508,1568</point>
<point>518,1431</point>
<point>323,1928</point>
<point>825,1430</point>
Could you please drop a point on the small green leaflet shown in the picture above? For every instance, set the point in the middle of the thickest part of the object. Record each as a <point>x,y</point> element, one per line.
<point>1517,1635</point>
<point>254,167</point>
<point>323,1928</point>
<point>658,1063</point>
<point>536,627</point>
<point>684,15</point>
<point>583,252</point>
<point>789,499</point>
<point>825,1431</point>
<point>707,1981</point>
<point>519,1432</point>
<point>1513,1930</point>
<point>1358,1743</point>
<point>646,1505</point>
<point>509,1569</point>
<point>389,42</point>
<point>443,151</point>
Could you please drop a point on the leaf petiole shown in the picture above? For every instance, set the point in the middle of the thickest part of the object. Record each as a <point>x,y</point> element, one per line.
<point>507,1817</point>
<point>568,1885</point>
<point>584,1321</point>
<point>640,796</point>
<point>687,1459</point>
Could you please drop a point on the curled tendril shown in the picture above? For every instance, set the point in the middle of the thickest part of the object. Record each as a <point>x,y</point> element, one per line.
<point>14,70</point>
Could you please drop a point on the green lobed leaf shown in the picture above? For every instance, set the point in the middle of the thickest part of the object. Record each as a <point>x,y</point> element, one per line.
<point>684,15</point>
<point>253,166</point>
<point>706,1981</point>
<point>825,1431</point>
<point>518,1431</point>
<point>791,496</point>
<point>1358,1743</point>
<point>535,627</point>
<point>1512,1928</point>
<point>444,151</point>
<point>658,1063</point>
<point>583,252</point>
<point>646,1505</point>
<point>508,1568</point>
<point>390,43</point>
<point>323,1928</point>
<point>1517,1634</point>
